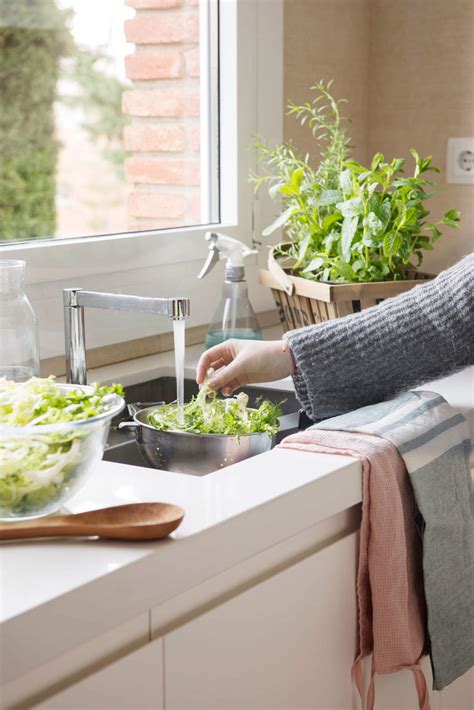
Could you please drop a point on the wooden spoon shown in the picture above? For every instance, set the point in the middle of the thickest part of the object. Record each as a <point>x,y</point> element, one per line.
<point>136,521</point>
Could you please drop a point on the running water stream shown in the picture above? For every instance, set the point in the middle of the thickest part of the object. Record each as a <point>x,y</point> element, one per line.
<point>179,343</point>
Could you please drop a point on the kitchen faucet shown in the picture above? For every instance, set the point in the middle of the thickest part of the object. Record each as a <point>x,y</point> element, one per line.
<point>76,299</point>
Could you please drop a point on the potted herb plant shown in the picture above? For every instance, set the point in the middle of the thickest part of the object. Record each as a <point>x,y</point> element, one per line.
<point>355,234</point>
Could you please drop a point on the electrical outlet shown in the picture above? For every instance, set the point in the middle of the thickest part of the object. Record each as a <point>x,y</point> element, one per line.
<point>460,161</point>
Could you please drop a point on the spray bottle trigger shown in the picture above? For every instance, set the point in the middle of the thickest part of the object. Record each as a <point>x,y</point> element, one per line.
<point>211,261</point>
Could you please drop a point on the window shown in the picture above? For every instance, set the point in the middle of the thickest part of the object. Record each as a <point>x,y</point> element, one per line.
<point>240,95</point>
<point>109,116</point>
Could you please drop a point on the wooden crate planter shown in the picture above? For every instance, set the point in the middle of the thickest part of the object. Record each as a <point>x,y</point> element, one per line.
<point>302,302</point>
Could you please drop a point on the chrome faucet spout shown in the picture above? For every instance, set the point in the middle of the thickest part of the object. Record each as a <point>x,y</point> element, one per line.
<point>179,308</point>
<point>76,299</point>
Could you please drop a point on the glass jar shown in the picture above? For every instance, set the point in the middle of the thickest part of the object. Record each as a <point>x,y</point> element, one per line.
<point>19,348</point>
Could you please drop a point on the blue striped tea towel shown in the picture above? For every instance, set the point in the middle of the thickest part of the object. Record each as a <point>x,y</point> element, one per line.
<point>433,439</point>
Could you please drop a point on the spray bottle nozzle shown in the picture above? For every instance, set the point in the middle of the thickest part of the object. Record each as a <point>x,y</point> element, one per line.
<point>234,317</point>
<point>230,249</point>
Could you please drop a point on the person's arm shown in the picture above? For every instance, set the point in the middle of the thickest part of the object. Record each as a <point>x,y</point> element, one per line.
<point>403,342</point>
<point>347,363</point>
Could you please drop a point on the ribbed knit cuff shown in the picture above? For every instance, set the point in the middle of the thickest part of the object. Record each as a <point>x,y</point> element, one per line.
<point>298,377</point>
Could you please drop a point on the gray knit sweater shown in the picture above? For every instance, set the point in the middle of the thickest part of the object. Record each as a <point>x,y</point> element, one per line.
<point>403,342</point>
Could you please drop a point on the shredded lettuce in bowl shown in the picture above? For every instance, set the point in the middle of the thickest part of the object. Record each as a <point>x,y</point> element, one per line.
<point>43,450</point>
<point>207,414</point>
<point>44,401</point>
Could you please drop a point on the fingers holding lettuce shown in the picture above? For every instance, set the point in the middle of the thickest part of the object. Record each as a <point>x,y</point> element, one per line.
<point>236,363</point>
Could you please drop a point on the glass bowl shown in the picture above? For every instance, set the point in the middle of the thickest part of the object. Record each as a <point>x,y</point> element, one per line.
<point>71,450</point>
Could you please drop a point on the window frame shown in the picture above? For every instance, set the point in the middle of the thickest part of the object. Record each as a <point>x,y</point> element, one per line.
<point>250,103</point>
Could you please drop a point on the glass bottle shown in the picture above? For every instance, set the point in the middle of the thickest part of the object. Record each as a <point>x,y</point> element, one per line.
<point>19,348</point>
<point>234,317</point>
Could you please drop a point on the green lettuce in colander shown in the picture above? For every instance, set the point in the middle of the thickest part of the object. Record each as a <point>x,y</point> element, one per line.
<point>207,414</point>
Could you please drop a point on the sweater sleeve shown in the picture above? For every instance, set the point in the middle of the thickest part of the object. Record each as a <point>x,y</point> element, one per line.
<point>370,356</point>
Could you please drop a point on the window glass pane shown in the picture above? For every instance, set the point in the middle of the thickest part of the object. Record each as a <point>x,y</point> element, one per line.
<point>108,119</point>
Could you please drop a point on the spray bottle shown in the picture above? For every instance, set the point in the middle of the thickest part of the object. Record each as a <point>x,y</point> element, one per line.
<point>235,317</point>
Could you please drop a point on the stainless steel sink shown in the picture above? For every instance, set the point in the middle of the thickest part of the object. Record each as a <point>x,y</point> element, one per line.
<point>121,446</point>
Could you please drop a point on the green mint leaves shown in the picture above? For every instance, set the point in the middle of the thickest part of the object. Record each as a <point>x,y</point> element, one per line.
<point>346,222</point>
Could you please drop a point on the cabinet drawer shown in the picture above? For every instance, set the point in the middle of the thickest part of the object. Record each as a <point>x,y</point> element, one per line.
<point>131,683</point>
<point>287,642</point>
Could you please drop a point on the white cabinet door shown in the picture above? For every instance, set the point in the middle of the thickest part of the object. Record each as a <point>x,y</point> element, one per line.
<point>132,683</point>
<point>288,642</point>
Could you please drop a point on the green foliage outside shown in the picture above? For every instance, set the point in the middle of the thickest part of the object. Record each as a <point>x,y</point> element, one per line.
<point>347,222</point>
<point>33,38</point>
<point>100,97</point>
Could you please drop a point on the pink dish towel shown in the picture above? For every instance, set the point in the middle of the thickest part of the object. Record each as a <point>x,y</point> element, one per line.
<point>390,595</point>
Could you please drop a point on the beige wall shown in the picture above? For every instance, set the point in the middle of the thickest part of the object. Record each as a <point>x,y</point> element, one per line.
<point>407,67</point>
<point>318,45</point>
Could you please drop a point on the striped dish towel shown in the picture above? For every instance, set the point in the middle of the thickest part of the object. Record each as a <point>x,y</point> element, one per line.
<point>432,439</point>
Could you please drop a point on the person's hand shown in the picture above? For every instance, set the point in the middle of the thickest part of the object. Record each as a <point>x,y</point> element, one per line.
<point>241,362</point>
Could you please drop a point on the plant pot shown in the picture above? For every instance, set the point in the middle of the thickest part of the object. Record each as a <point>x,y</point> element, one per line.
<point>303,302</point>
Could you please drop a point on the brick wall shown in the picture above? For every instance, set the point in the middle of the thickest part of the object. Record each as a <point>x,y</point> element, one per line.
<point>162,139</point>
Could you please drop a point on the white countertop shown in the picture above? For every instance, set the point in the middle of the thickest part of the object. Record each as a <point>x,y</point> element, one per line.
<point>58,594</point>
<point>232,514</point>
<point>207,501</point>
